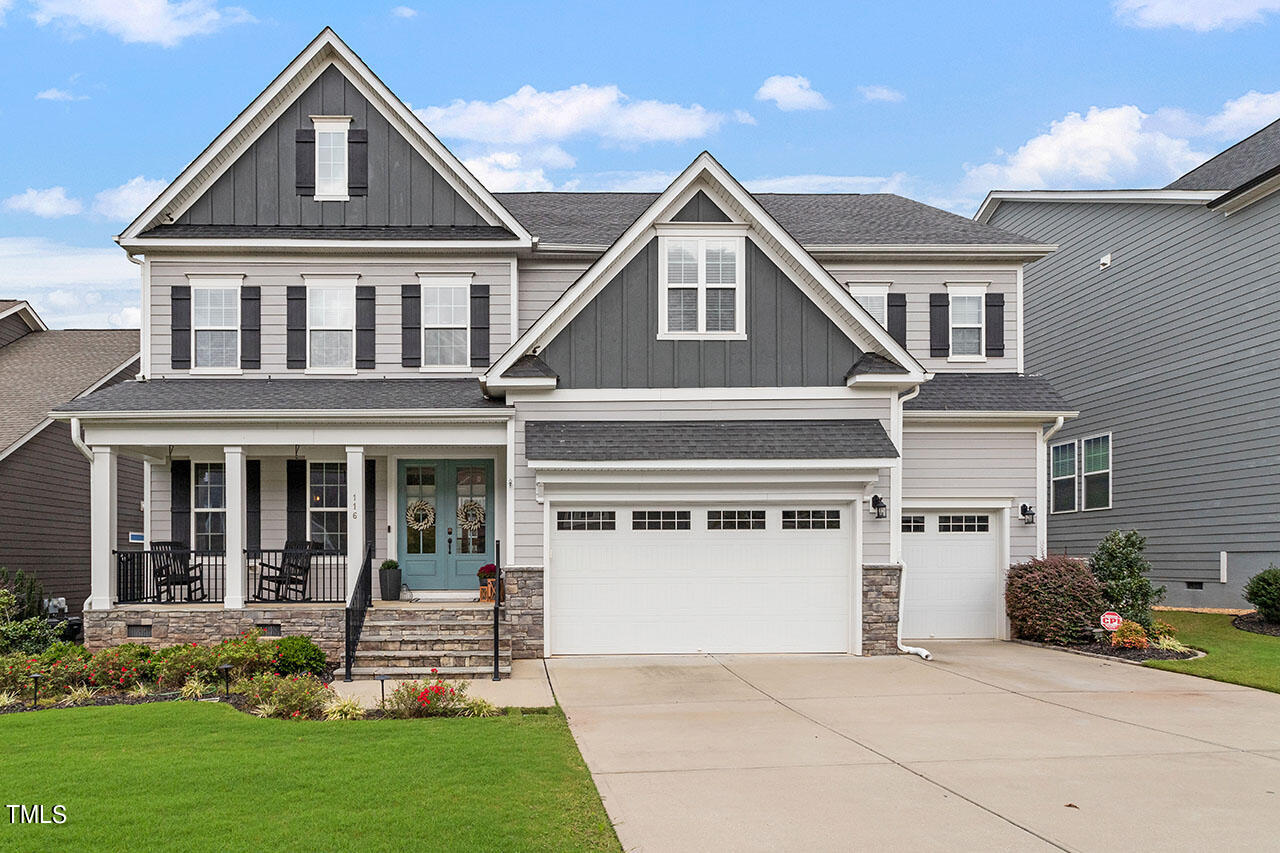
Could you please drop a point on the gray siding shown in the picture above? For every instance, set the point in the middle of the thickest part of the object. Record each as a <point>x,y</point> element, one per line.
<point>12,328</point>
<point>1187,390</point>
<point>260,188</point>
<point>612,342</point>
<point>541,284</point>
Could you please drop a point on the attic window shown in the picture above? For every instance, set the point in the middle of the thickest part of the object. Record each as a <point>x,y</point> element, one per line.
<point>701,292</point>
<point>331,157</point>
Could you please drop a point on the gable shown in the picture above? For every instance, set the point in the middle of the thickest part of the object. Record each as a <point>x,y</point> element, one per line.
<point>260,188</point>
<point>613,342</point>
<point>700,208</point>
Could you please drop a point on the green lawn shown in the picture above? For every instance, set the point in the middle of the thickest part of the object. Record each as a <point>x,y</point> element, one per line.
<point>1239,657</point>
<point>203,776</point>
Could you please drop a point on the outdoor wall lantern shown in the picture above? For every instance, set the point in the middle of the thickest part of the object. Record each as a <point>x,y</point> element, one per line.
<point>1028,514</point>
<point>879,507</point>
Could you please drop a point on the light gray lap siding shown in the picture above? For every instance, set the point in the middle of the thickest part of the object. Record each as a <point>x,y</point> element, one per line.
<point>541,283</point>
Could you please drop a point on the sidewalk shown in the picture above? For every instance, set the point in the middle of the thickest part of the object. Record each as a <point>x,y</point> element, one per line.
<point>527,687</point>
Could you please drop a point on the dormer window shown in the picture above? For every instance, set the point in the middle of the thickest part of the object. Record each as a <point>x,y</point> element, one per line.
<point>701,292</point>
<point>331,157</point>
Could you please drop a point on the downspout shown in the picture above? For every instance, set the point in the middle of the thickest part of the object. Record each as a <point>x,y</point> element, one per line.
<point>1057,425</point>
<point>902,574</point>
<point>1042,486</point>
<point>78,441</point>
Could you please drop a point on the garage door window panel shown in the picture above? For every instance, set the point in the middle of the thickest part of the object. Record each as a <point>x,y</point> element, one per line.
<point>735,519</point>
<point>811,519</point>
<point>964,523</point>
<point>586,520</point>
<point>660,519</point>
<point>913,524</point>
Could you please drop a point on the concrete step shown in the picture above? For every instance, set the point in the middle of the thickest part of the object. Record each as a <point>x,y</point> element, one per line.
<point>424,673</point>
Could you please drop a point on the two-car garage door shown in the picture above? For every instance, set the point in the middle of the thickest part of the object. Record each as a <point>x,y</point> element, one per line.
<point>687,578</point>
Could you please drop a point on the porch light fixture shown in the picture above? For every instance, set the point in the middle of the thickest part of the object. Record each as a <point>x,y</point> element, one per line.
<point>879,507</point>
<point>225,669</point>
<point>1028,514</point>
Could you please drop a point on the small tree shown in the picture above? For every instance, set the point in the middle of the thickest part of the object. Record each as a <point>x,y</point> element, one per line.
<point>1263,592</point>
<point>1121,567</point>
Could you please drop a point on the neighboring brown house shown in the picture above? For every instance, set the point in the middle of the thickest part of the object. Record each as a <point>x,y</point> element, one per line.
<point>44,478</point>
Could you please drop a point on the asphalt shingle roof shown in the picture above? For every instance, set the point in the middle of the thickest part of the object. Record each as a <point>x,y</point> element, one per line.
<point>264,395</point>
<point>815,219</point>
<point>987,392</point>
<point>530,366</point>
<point>757,439</point>
<point>874,362</point>
<point>6,304</point>
<point>1239,164</point>
<point>43,370</point>
<point>331,232</point>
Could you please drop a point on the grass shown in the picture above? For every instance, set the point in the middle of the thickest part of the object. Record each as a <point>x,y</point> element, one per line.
<point>1235,656</point>
<point>203,776</point>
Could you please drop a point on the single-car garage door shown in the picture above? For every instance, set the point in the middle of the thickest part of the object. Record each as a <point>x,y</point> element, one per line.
<point>952,579</point>
<point>699,578</point>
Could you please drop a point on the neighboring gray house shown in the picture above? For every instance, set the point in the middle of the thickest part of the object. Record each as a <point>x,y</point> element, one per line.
<point>1157,317</point>
<point>699,419</point>
<point>44,479</point>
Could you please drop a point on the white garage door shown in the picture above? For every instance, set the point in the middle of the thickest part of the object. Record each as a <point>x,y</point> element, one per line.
<point>700,578</point>
<point>952,582</point>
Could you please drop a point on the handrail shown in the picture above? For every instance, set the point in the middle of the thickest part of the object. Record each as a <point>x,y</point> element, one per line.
<point>361,600</point>
<point>497,606</point>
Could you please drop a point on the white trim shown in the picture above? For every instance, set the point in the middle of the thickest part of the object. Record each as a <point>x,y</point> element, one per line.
<point>1108,471</point>
<point>336,283</point>
<point>1222,567</point>
<point>1020,336</point>
<point>967,290</point>
<point>953,416</point>
<point>301,246</point>
<point>1249,196</point>
<point>444,280</point>
<point>701,237</point>
<point>660,395</point>
<point>223,282</point>
<point>869,463</point>
<point>332,124</point>
<point>23,307</point>
<point>877,289</point>
<point>144,366</point>
<point>416,416</point>
<point>989,204</point>
<point>514,297</point>
<point>1075,477</point>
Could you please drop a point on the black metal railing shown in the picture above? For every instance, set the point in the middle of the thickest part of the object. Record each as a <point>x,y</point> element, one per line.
<point>498,595</point>
<point>359,603</point>
<point>300,573</point>
<point>170,575</point>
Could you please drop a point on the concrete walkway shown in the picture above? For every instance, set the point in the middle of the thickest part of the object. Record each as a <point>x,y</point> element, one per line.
<point>991,746</point>
<point>527,687</point>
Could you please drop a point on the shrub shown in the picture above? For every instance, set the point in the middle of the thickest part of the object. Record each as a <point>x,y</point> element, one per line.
<point>62,650</point>
<point>297,655</point>
<point>174,665</point>
<point>438,698</point>
<point>246,654</point>
<point>1121,567</point>
<point>1160,630</point>
<point>1263,592</point>
<point>28,595</point>
<point>194,688</point>
<point>1052,600</point>
<point>1130,635</point>
<point>29,637</point>
<point>68,674</point>
<point>15,673</point>
<point>80,695</point>
<point>289,697</point>
<point>344,709</point>
<point>122,667</point>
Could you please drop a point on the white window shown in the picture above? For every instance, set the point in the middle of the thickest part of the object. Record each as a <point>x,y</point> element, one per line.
<point>967,321</point>
<point>874,298</point>
<point>700,287</point>
<point>327,505</point>
<point>215,324</point>
<point>1095,463</point>
<point>331,325</point>
<point>209,506</point>
<point>446,314</point>
<point>1062,477</point>
<point>331,157</point>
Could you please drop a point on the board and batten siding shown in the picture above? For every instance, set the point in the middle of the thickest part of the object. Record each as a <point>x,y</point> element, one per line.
<point>1171,349</point>
<point>275,277</point>
<point>917,281</point>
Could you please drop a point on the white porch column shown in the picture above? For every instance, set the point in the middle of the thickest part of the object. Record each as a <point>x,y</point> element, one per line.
<point>355,516</point>
<point>237,498</point>
<point>103,528</point>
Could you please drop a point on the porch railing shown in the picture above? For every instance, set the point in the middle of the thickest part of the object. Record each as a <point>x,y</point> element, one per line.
<point>498,595</point>
<point>359,603</point>
<point>170,576</point>
<point>307,574</point>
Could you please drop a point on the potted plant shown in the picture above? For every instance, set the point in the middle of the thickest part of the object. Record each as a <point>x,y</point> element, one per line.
<point>487,573</point>
<point>389,580</point>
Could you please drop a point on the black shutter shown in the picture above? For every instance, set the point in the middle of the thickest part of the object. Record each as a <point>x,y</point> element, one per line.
<point>370,501</point>
<point>296,319</point>
<point>304,147</point>
<point>479,325</point>
<point>357,162</point>
<point>250,328</point>
<point>180,327</point>
<point>295,471</point>
<point>939,325</point>
<point>366,327</point>
<point>180,501</point>
<point>253,504</point>
<point>410,325</point>
<point>896,316</point>
<point>995,325</point>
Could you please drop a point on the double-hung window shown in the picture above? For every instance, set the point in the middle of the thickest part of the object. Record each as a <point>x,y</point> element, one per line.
<point>1095,465</point>
<point>967,331</point>
<point>327,505</point>
<point>331,325</point>
<point>331,157</point>
<point>209,506</point>
<point>874,298</point>
<point>701,292</point>
<point>446,322</point>
<point>215,323</point>
<point>1062,477</point>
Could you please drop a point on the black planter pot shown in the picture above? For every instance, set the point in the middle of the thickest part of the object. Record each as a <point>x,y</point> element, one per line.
<point>389,580</point>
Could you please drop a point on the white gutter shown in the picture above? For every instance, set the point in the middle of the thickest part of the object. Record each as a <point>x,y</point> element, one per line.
<point>902,573</point>
<point>78,441</point>
<point>1057,425</point>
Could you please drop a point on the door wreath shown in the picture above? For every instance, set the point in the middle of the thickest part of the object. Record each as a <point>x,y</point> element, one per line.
<point>420,515</point>
<point>470,516</point>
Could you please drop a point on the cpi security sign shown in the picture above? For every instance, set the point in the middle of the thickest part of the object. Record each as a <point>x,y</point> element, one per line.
<point>1111,620</point>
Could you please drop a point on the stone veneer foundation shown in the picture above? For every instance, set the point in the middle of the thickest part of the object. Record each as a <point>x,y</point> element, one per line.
<point>880,585</point>
<point>522,587</point>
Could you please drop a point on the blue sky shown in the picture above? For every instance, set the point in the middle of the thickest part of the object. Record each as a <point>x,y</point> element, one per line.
<point>104,101</point>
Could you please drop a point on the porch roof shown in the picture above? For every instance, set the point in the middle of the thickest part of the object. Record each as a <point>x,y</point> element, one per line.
<point>987,392</point>
<point>591,441</point>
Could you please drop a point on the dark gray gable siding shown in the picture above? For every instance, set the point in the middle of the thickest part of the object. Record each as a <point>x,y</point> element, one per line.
<point>1172,349</point>
<point>261,188</point>
<point>700,208</point>
<point>612,342</point>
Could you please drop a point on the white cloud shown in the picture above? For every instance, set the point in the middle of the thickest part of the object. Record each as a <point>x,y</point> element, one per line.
<point>895,183</point>
<point>56,94</point>
<point>506,171</point>
<point>791,93</point>
<point>163,22</point>
<point>129,317</point>
<point>529,116</point>
<point>743,117</point>
<point>1243,115</point>
<point>71,286</point>
<point>126,201</point>
<point>49,204</point>
<point>1198,15</point>
<point>880,93</point>
<point>404,12</point>
<point>5,5</point>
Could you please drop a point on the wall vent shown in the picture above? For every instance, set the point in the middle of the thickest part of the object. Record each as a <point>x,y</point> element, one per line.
<point>1195,584</point>
<point>137,631</point>
<point>269,630</point>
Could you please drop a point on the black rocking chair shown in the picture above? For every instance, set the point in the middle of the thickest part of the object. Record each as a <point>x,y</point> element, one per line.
<point>173,569</point>
<point>287,581</point>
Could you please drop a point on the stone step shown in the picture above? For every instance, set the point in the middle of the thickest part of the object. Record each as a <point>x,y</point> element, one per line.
<point>425,646</point>
<point>423,673</point>
<point>396,661</point>
<point>428,635</point>
<point>420,617</point>
<point>428,625</point>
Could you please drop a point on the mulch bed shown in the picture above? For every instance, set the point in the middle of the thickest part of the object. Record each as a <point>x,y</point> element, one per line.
<point>1253,623</point>
<point>1105,648</point>
<point>235,700</point>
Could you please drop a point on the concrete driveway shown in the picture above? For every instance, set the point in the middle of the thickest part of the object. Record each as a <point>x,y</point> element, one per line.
<point>991,746</point>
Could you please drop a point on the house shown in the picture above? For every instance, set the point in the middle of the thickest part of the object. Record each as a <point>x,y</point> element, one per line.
<point>44,479</point>
<point>1156,318</point>
<point>701,419</point>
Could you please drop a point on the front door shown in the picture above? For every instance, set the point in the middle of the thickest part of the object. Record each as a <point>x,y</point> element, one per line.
<point>445,522</point>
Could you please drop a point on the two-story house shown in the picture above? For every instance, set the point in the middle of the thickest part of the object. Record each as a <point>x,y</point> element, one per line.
<point>1156,319</point>
<point>695,420</point>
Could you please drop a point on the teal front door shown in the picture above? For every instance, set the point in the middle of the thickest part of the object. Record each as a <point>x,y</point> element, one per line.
<point>446,521</point>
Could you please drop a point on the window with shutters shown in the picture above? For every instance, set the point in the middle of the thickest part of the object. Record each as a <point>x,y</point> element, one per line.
<point>331,325</point>
<point>1095,467</point>
<point>968,321</point>
<point>1062,477</point>
<point>215,324</point>
<point>331,157</point>
<point>446,321</point>
<point>209,506</point>
<point>327,505</point>
<point>874,298</point>
<point>701,292</point>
